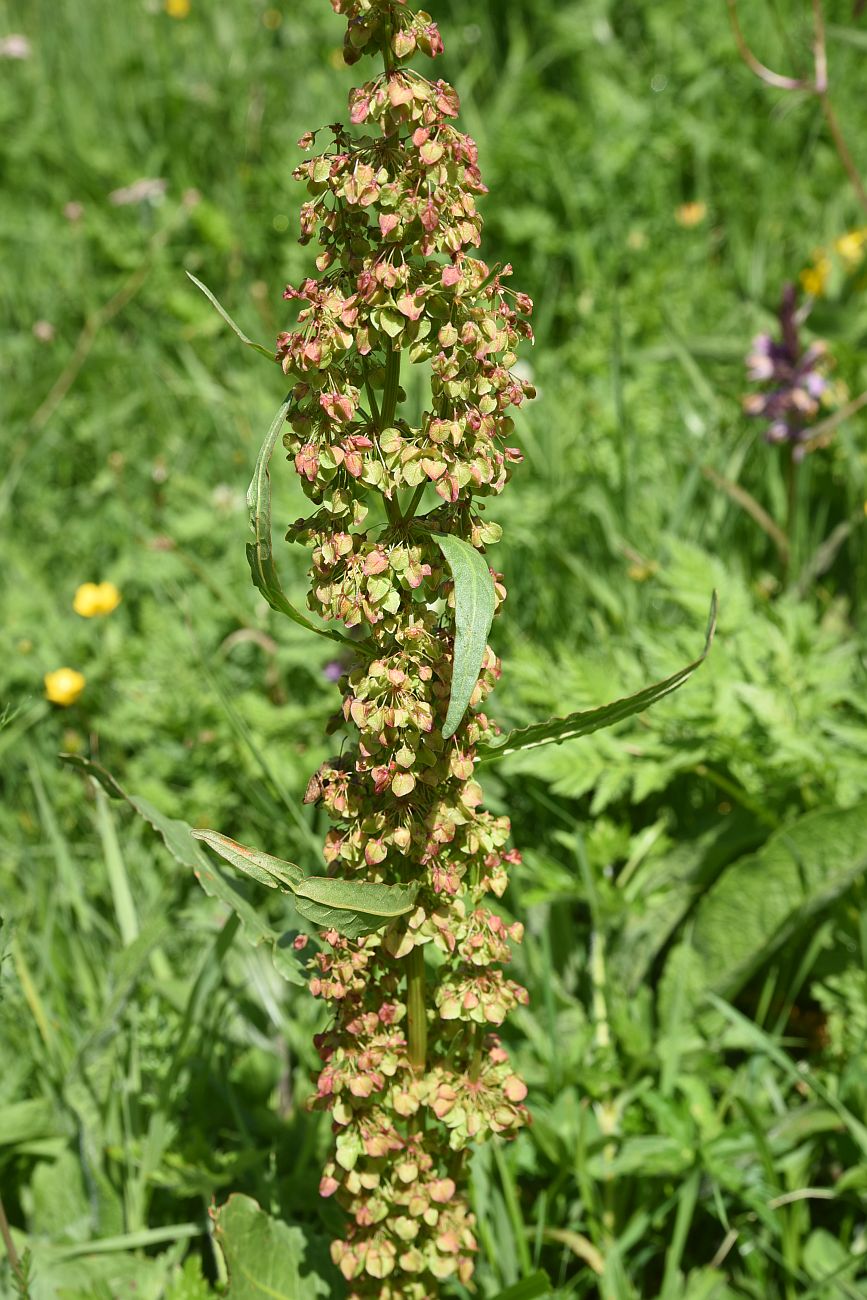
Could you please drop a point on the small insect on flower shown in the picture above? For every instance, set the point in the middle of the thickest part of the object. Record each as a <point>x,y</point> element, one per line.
<point>64,686</point>
<point>690,214</point>
<point>93,599</point>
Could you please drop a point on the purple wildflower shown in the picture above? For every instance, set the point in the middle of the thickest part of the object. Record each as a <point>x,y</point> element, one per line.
<point>793,378</point>
<point>334,670</point>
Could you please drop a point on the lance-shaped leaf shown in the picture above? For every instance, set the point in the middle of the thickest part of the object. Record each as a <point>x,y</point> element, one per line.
<point>353,908</point>
<point>180,840</point>
<point>262,867</point>
<point>556,730</point>
<point>260,554</point>
<point>474,612</point>
<point>257,347</point>
<point>176,834</point>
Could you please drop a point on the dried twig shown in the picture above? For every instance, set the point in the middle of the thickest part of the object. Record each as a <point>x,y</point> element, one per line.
<point>818,85</point>
<point>748,503</point>
<point>824,432</point>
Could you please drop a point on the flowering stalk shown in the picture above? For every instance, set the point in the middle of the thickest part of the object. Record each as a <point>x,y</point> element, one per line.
<point>412,1069</point>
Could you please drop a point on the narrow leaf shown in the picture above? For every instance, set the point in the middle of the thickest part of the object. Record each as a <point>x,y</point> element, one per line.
<point>474,612</point>
<point>257,347</point>
<point>351,907</point>
<point>176,834</point>
<point>556,730</point>
<point>179,839</point>
<point>262,867</point>
<point>257,931</point>
<point>260,555</point>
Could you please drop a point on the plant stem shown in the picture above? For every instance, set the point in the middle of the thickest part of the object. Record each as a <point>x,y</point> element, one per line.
<point>761,70</point>
<point>12,1253</point>
<point>392,384</point>
<point>791,510</point>
<point>416,1009</point>
<point>821,434</point>
<point>843,150</point>
<point>417,495</point>
<point>818,86</point>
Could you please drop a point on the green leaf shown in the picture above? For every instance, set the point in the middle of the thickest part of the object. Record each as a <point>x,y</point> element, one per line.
<point>176,834</point>
<point>180,840</point>
<point>267,1259</point>
<point>257,347</point>
<point>529,1288</point>
<point>353,908</point>
<point>257,931</point>
<point>260,555</point>
<point>474,613</point>
<point>262,867</point>
<point>391,322</point>
<point>556,730</point>
<point>761,901</point>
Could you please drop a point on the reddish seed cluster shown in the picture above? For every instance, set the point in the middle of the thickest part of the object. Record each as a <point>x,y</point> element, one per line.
<point>392,208</point>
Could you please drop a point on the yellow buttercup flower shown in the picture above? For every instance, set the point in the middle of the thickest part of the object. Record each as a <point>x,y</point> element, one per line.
<point>95,598</point>
<point>690,214</point>
<point>177,8</point>
<point>63,686</point>
<point>852,247</point>
<point>814,279</point>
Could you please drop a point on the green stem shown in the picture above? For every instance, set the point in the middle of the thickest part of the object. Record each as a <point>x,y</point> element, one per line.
<point>791,511</point>
<point>417,495</point>
<point>386,419</point>
<point>371,397</point>
<point>387,53</point>
<point>416,1009</point>
<point>392,384</point>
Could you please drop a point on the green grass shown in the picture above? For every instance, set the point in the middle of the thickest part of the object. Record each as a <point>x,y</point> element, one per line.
<point>683,1148</point>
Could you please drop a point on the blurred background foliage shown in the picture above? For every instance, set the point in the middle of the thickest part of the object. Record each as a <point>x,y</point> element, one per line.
<point>692,882</point>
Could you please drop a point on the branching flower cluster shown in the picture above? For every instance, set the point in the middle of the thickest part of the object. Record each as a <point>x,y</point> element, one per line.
<point>413,1071</point>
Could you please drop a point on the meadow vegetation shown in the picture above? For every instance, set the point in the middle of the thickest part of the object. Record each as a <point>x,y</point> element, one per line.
<point>692,882</point>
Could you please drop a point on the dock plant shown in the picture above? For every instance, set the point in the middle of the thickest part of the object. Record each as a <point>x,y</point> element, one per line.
<point>411,952</point>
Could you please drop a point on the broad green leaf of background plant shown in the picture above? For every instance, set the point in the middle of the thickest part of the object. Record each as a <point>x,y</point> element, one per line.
<point>260,554</point>
<point>353,908</point>
<point>474,612</point>
<point>529,1288</point>
<point>556,730</point>
<point>180,841</point>
<point>257,347</point>
<point>762,900</point>
<point>265,1259</point>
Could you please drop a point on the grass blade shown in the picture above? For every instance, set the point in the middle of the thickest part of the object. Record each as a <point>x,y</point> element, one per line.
<point>257,347</point>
